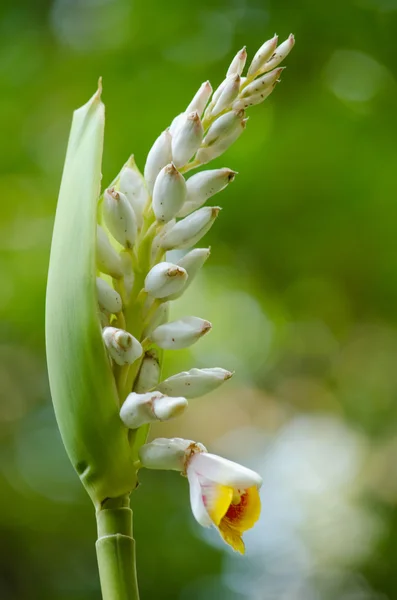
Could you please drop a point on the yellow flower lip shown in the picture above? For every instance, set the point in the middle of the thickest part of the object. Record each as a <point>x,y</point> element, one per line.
<point>224,494</point>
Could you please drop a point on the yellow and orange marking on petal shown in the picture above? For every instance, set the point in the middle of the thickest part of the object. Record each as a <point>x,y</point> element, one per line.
<point>233,511</point>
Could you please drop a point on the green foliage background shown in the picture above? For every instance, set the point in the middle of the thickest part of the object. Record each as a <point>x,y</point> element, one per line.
<point>301,288</point>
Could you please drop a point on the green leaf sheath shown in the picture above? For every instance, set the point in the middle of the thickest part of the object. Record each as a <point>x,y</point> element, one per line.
<point>116,554</point>
<point>82,384</point>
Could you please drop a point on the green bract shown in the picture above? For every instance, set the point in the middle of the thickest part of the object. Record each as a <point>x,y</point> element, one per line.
<point>81,380</point>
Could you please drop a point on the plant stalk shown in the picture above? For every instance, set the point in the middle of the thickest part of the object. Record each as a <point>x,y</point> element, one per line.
<point>115,549</point>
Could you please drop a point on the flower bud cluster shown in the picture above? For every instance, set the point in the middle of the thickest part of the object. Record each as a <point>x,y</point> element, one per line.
<point>141,218</point>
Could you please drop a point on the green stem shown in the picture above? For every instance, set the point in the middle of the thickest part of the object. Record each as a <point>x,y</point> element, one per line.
<point>116,551</point>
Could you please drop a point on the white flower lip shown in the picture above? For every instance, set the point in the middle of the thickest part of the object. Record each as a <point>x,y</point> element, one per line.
<point>165,279</point>
<point>224,471</point>
<point>180,334</point>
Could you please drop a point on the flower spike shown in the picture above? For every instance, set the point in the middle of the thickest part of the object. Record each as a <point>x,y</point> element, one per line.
<point>110,287</point>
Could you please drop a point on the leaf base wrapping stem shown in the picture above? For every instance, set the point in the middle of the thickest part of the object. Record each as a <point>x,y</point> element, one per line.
<point>115,549</point>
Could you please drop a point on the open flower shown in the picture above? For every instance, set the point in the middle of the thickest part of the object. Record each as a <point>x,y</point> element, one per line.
<point>224,494</point>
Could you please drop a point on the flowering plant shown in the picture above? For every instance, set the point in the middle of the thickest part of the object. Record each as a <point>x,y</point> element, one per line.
<point>109,288</point>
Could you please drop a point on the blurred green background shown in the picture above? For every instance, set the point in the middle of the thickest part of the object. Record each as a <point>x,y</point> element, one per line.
<point>301,289</point>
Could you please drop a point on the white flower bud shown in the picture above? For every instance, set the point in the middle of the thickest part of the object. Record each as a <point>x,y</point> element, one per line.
<point>149,373</point>
<point>180,334</point>
<point>128,272</point>
<point>159,155</point>
<point>187,139</point>
<point>263,83</point>
<point>160,316</point>
<point>228,94</point>
<point>202,186</point>
<point>263,55</point>
<point>108,298</point>
<point>121,345</point>
<point>176,123</point>
<point>164,279</point>
<point>169,454</point>
<point>191,229</point>
<point>201,98</point>
<point>119,217</point>
<point>139,409</point>
<point>244,103</point>
<point>108,260</point>
<point>238,63</point>
<point>133,186</point>
<point>224,127</point>
<point>156,244</point>
<point>169,193</point>
<point>194,383</point>
<point>281,52</point>
<point>192,263</point>
<point>222,142</point>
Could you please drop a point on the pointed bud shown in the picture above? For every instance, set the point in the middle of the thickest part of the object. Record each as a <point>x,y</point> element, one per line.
<point>119,217</point>
<point>222,136</point>
<point>263,55</point>
<point>159,318</point>
<point>187,139</point>
<point>176,123</point>
<point>201,98</point>
<point>149,373</point>
<point>192,262</point>
<point>133,186</point>
<point>263,83</point>
<point>156,244</point>
<point>202,186</point>
<point>224,127</point>
<point>229,93</point>
<point>108,260</point>
<point>169,454</point>
<point>108,298</point>
<point>244,103</point>
<point>140,409</point>
<point>238,63</point>
<point>164,279</point>
<point>169,193</point>
<point>159,155</point>
<point>194,383</point>
<point>121,345</point>
<point>191,229</point>
<point>281,52</point>
<point>128,272</point>
<point>180,334</point>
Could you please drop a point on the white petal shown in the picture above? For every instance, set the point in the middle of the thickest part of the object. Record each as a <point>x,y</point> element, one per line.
<point>224,471</point>
<point>196,500</point>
